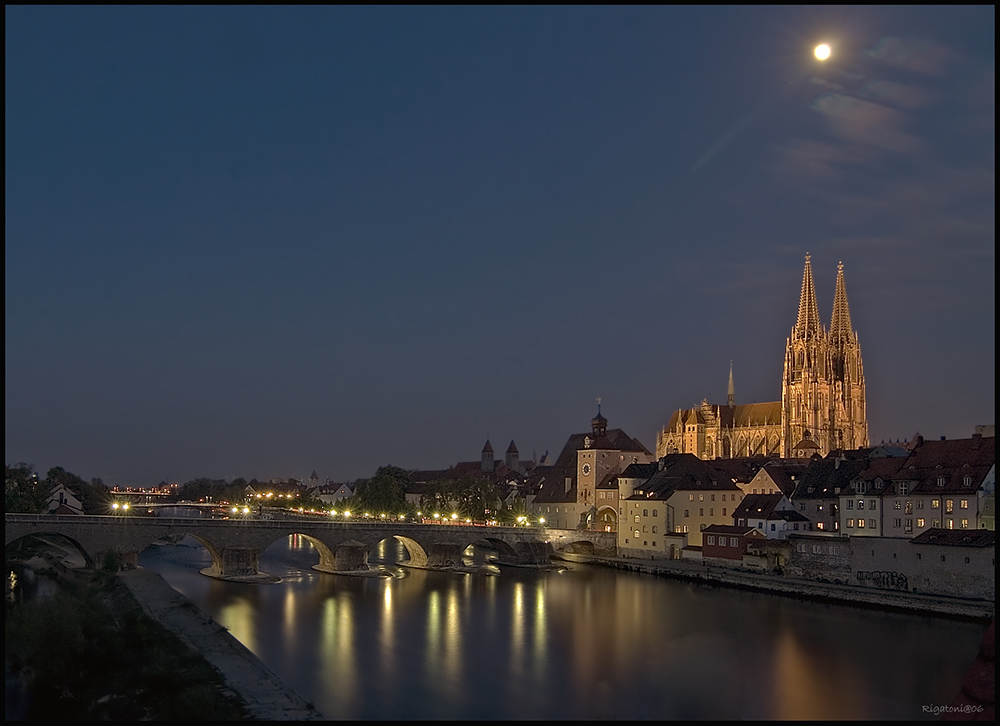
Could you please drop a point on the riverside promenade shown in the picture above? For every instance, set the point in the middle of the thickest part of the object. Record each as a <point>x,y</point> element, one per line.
<point>720,575</point>
<point>265,695</point>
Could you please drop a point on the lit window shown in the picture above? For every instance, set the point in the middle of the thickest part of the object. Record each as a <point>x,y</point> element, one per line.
<point>690,497</point>
<point>637,519</point>
<point>897,504</point>
<point>965,524</point>
<point>949,523</point>
<point>964,504</point>
<point>861,524</point>
<point>949,506</point>
<point>861,504</point>
<point>637,534</point>
<point>850,524</point>
<point>701,497</point>
<point>921,521</point>
<point>935,503</point>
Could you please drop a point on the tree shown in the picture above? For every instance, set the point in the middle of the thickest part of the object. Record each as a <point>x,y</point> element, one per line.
<point>23,492</point>
<point>386,491</point>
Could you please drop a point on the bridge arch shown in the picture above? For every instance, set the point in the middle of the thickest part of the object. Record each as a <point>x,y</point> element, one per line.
<point>12,545</point>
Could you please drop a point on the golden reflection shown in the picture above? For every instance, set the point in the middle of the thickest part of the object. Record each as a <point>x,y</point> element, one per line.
<point>433,630</point>
<point>517,630</point>
<point>239,617</point>
<point>453,640</point>
<point>290,611</point>
<point>798,693</point>
<point>541,627</point>
<point>387,631</point>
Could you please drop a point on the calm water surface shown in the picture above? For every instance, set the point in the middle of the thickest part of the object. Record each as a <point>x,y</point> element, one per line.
<point>589,642</point>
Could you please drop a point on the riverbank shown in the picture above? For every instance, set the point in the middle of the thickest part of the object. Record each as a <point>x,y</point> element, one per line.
<point>805,589</point>
<point>265,695</point>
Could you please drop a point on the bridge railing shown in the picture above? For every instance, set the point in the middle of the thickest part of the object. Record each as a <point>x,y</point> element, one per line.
<point>180,522</point>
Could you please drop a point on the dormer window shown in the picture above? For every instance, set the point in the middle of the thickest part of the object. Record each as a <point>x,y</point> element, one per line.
<point>967,481</point>
<point>878,483</point>
<point>940,481</point>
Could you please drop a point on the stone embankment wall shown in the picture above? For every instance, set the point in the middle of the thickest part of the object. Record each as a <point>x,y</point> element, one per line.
<point>266,696</point>
<point>846,594</point>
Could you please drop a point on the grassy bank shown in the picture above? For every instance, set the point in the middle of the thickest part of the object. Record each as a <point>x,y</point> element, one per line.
<point>89,652</point>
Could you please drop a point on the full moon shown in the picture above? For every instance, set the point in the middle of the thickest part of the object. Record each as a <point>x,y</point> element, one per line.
<point>822,51</point>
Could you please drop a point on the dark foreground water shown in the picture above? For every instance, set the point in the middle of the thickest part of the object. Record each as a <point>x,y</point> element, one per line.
<point>589,642</point>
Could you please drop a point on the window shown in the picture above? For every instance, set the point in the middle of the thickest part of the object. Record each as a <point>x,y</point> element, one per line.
<point>701,497</point>
<point>940,481</point>
<point>645,512</point>
<point>897,504</point>
<point>733,542</point>
<point>637,534</point>
<point>967,481</point>
<point>949,506</point>
<point>834,550</point>
<point>685,528</point>
<point>637,519</point>
<point>964,504</point>
<point>711,511</point>
<point>796,526</point>
<point>701,512</point>
<point>644,528</point>
<point>921,521</point>
<point>861,504</point>
<point>850,524</point>
<point>817,550</point>
<point>897,523</point>
<point>965,524</point>
<point>710,539</point>
<point>871,504</point>
<point>802,507</point>
<point>872,524</point>
<point>920,504</point>
<point>687,512</point>
<point>690,497</point>
<point>909,506</point>
<point>935,503</point>
<point>949,523</point>
<point>903,490</point>
<point>850,504</point>
<point>772,526</point>
<point>713,497</point>
<point>935,523</point>
<point>861,524</point>
<point>723,511</point>
<point>654,529</point>
<point>656,512</point>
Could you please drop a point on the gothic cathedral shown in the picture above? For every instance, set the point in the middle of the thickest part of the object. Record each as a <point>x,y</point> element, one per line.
<point>822,406</point>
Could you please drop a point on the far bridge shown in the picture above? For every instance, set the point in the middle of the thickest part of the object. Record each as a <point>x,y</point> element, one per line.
<point>236,545</point>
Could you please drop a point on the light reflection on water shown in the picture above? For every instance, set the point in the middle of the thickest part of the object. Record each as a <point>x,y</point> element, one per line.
<point>586,643</point>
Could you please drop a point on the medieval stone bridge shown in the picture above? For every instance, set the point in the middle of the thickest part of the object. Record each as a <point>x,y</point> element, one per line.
<point>236,545</point>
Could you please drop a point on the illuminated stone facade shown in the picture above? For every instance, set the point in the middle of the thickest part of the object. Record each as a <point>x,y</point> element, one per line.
<point>822,406</point>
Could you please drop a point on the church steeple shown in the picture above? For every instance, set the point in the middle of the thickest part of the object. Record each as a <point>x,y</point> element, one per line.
<point>731,396</point>
<point>808,325</point>
<point>840,323</point>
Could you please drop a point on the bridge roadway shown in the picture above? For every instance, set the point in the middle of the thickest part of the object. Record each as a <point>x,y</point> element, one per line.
<point>235,545</point>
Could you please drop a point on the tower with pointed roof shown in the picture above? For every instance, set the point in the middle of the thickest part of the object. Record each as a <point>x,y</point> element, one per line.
<point>513,458</point>
<point>486,461</point>
<point>823,387</point>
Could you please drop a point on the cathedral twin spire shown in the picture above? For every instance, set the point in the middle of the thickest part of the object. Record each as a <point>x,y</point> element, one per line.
<point>808,324</point>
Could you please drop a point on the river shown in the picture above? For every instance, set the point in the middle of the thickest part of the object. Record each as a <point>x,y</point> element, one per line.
<point>585,643</point>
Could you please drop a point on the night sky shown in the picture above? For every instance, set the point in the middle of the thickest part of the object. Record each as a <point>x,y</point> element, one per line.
<point>257,242</point>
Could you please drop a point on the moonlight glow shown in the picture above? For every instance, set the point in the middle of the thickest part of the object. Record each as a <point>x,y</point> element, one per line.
<point>822,51</point>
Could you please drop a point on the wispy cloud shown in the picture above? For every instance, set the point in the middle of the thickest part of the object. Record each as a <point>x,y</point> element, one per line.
<point>914,54</point>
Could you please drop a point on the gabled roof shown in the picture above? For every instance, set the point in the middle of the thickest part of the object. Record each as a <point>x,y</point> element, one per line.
<point>957,537</point>
<point>757,506</point>
<point>733,530</point>
<point>826,478</point>
<point>953,460</point>
<point>682,472</point>
<point>613,440</point>
<point>549,485</point>
<point>639,471</point>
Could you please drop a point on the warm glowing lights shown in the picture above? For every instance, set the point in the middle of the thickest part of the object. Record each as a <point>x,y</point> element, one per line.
<point>822,51</point>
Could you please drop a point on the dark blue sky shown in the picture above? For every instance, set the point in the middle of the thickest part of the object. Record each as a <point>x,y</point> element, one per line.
<point>262,241</point>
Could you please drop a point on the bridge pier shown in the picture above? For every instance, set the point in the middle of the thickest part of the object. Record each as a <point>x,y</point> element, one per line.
<point>117,560</point>
<point>238,564</point>
<point>444,554</point>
